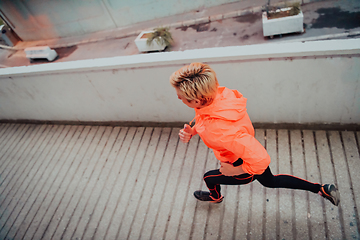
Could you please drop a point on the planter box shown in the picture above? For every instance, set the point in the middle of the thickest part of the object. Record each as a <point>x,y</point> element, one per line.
<point>40,52</point>
<point>282,25</point>
<point>141,44</point>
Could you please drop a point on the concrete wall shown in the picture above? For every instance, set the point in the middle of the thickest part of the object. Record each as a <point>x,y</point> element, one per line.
<point>312,82</point>
<point>37,20</point>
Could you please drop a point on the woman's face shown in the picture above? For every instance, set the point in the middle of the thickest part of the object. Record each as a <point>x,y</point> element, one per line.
<point>192,104</point>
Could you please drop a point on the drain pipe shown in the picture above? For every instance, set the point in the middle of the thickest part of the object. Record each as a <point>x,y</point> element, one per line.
<point>8,47</point>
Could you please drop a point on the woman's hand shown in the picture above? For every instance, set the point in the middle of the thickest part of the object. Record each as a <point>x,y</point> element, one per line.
<point>228,169</point>
<point>186,133</point>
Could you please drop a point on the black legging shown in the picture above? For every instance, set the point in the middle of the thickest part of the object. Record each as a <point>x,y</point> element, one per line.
<point>214,178</point>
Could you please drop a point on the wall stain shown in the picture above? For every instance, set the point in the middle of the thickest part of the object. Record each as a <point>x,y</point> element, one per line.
<point>65,51</point>
<point>201,27</point>
<point>354,36</point>
<point>335,17</point>
<point>248,18</point>
<point>183,28</point>
<point>245,37</point>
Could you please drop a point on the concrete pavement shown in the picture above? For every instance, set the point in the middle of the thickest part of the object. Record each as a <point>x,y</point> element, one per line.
<point>97,182</point>
<point>232,24</point>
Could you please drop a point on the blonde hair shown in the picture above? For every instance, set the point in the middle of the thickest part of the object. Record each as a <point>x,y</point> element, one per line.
<point>196,81</point>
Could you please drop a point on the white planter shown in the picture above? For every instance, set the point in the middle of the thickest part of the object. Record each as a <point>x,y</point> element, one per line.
<point>142,45</point>
<point>40,52</point>
<point>282,25</point>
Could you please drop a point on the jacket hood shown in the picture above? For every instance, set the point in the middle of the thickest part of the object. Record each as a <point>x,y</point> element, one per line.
<point>228,105</point>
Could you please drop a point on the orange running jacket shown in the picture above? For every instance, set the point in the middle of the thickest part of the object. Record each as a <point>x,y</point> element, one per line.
<point>225,127</point>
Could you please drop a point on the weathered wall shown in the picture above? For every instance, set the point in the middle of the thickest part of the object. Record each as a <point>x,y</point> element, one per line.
<point>312,82</point>
<point>37,19</point>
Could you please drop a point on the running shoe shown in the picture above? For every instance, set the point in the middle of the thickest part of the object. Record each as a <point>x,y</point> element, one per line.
<point>330,192</point>
<point>205,196</point>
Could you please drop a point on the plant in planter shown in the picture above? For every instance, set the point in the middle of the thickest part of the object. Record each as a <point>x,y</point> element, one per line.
<point>155,40</point>
<point>277,21</point>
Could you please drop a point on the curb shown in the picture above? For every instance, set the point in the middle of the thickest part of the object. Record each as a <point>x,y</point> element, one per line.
<point>324,37</point>
<point>216,17</point>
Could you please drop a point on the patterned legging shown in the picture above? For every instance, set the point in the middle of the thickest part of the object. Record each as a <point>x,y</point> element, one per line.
<point>214,178</point>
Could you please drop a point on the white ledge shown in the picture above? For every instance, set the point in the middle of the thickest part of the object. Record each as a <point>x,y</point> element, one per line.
<point>249,52</point>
